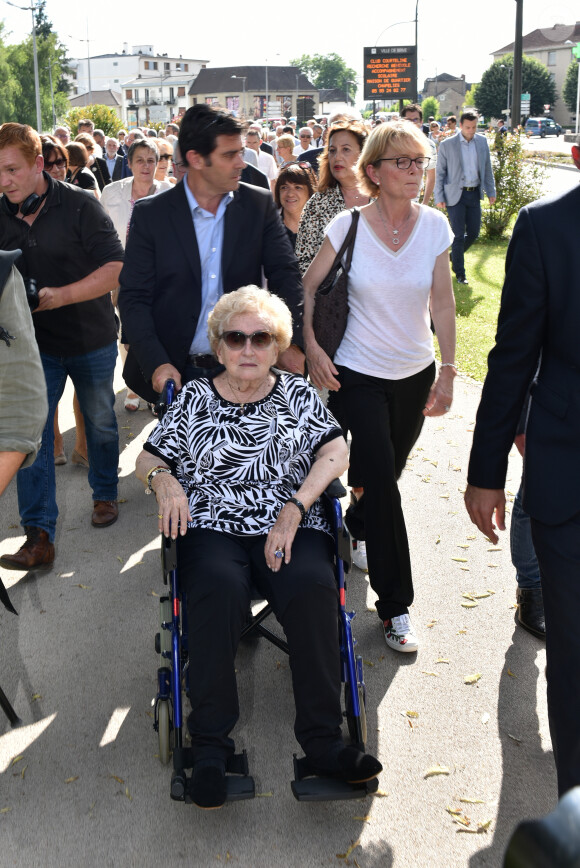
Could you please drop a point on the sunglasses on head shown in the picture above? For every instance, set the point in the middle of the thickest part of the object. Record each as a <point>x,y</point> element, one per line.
<point>237,340</point>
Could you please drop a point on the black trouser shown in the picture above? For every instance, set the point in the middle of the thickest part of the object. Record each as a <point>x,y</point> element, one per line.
<point>385,418</point>
<point>558,552</point>
<point>217,570</point>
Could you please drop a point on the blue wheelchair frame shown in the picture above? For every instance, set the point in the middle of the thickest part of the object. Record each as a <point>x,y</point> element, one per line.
<point>173,674</point>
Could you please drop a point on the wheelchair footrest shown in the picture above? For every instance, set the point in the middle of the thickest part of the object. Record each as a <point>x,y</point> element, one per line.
<point>308,787</point>
<point>239,783</point>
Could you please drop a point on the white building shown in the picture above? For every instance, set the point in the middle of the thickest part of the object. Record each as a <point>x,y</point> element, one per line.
<point>157,98</point>
<point>111,71</point>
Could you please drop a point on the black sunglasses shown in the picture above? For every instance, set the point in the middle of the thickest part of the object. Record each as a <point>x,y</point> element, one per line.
<point>237,340</point>
<point>60,164</point>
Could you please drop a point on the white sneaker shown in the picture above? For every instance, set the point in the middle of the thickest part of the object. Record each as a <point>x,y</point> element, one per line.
<point>359,554</point>
<point>399,634</point>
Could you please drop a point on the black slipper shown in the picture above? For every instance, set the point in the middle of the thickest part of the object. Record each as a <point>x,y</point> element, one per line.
<point>208,785</point>
<point>350,765</point>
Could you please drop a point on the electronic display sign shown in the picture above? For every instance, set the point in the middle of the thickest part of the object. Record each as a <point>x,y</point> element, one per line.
<point>390,72</point>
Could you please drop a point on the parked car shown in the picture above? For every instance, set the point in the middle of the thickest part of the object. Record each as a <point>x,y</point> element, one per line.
<point>542,127</point>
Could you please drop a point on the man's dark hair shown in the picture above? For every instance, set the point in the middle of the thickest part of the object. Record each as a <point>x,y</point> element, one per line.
<point>469,115</point>
<point>200,127</point>
<point>288,129</point>
<point>452,118</point>
<point>414,107</point>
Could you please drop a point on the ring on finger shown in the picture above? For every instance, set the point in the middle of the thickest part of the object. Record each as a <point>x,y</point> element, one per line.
<point>279,553</point>
<point>159,515</point>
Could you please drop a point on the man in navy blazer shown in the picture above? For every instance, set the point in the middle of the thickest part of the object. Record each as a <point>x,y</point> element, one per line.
<point>464,173</point>
<point>208,235</point>
<point>540,317</point>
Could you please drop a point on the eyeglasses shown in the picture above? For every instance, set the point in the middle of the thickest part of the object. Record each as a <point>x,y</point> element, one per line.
<point>305,137</point>
<point>405,162</point>
<point>163,157</point>
<point>60,164</point>
<point>413,120</point>
<point>237,340</point>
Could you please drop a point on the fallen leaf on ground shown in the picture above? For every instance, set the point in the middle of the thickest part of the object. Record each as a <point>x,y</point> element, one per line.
<point>463,821</point>
<point>264,795</point>
<point>381,793</point>
<point>453,812</point>
<point>128,794</point>
<point>511,673</point>
<point>71,780</point>
<point>471,604</point>
<point>84,587</point>
<point>368,663</point>
<point>412,714</point>
<point>443,660</point>
<point>436,770</point>
<point>481,596</point>
<point>17,759</point>
<point>36,696</point>
<point>461,632</point>
<point>472,801</point>
<point>471,679</point>
<point>432,623</point>
<point>363,819</point>
<point>349,851</point>
<point>154,594</point>
<point>463,545</point>
<point>22,772</point>
<point>122,500</point>
<point>115,778</point>
<point>119,559</point>
<point>493,566</point>
<point>460,560</point>
<point>435,675</point>
<point>445,497</point>
<point>514,738</point>
<point>489,591</point>
<point>467,596</point>
<point>472,536</point>
<point>495,549</point>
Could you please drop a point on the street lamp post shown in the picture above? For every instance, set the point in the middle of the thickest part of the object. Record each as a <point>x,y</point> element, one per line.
<point>509,72</point>
<point>33,9</point>
<point>517,76</point>
<point>49,67</point>
<point>348,81</point>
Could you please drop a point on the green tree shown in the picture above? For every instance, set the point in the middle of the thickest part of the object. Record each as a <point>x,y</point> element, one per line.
<point>430,107</point>
<point>104,118</point>
<point>327,70</point>
<point>9,86</point>
<point>20,58</point>
<point>517,183</point>
<point>536,80</point>
<point>471,95</point>
<point>570,89</point>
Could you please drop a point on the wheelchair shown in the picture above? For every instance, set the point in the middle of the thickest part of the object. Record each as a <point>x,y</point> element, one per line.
<point>173,675</point>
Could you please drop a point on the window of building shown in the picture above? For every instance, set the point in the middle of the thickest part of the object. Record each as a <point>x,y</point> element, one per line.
<point>551,58</point>
<point>128,94</point>
<point>181,91</point>
<point>166,66</point>
<point>136,95</point>
<point>178,65</point>
<point>186,67</point>
<point>115,63</point>
<point>172,94</point>
<point>115,81</point>
<point>146,94</point>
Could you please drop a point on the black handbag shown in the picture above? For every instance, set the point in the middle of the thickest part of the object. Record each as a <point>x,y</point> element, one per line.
<point>331,298</point>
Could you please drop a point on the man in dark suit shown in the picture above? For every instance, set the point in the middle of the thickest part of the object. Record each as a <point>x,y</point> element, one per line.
<point>208,235</point>
<point>463,174</point>
<point>540,317</point>
<point>117,165</point>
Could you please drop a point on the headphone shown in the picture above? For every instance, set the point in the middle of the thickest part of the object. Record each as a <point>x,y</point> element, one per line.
<point>30,205</point>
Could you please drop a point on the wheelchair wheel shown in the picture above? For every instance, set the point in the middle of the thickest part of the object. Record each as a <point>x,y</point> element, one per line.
<point>164,730</point>
<point>165,615</point>
<point>357,726</point>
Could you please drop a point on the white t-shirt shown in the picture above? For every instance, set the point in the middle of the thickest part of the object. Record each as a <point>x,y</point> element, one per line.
<point>388,332</point>
<point>267,164</point>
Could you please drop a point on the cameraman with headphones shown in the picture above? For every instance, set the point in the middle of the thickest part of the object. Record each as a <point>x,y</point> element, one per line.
<point>72,256</point>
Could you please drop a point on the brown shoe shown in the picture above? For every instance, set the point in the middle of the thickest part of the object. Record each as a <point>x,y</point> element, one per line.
<point>105,512</point>
<point>37,553</point>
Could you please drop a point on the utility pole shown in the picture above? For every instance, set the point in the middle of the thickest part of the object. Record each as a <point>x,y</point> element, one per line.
<point>516,113</point>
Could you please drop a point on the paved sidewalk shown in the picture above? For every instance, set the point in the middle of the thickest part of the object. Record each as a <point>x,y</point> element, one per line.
<point>80,782</point>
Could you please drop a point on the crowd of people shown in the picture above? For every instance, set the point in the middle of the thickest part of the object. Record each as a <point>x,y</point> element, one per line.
<point>147,239</point>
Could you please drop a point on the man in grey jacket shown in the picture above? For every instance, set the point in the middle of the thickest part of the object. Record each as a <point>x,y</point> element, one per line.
<point>464,174</point>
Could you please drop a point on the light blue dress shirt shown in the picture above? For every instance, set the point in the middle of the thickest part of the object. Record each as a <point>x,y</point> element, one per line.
<point>469,162</point>
<point>209,232</point>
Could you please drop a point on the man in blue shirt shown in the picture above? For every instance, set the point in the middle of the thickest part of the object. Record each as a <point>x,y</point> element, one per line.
<point>210,234</point>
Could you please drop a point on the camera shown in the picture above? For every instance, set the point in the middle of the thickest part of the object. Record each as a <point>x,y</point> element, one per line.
<point>31,293</point>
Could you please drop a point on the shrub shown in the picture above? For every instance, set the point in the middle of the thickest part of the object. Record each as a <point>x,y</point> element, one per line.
<point>517,183</point>
<point>103,117</point>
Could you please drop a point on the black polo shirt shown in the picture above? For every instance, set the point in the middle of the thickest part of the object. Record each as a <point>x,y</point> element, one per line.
<point>71,237</point>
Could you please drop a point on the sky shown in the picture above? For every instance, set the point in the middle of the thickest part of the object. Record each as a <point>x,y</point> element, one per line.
<point>454,36</point>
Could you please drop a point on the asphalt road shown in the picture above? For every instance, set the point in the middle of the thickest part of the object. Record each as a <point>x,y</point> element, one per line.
<point>81,783</point>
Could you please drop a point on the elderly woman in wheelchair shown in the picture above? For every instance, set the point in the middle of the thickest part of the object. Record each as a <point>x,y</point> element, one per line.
<point>238,464</point>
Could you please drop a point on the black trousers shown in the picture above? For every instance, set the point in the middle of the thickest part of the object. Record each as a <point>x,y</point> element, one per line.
<point>218,570</point>
<point>558,552</point>
<point>385,418</point>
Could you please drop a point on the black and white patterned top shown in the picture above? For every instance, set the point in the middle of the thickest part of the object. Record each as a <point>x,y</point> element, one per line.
<point>239,467</point>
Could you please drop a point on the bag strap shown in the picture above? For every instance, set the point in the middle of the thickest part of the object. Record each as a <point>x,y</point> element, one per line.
<point>351,237</point>
<point>348,242</point>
